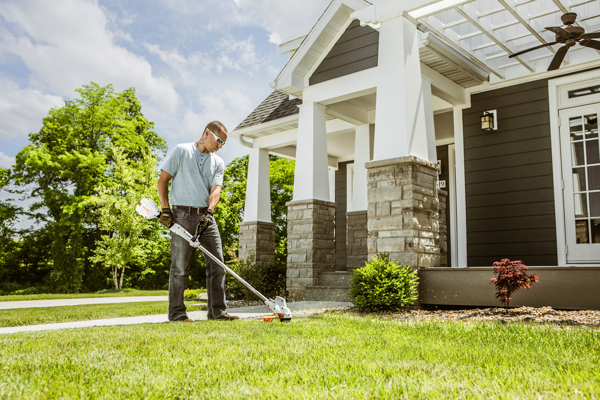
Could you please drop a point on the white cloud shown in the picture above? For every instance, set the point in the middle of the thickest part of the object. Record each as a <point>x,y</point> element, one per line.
<point>284,19</point>
<point>68,43</point>
<point>22,110</point>
<point>188,67</point>
<point>239,55</point>
<point>228,106</point>
<point>6,161</point>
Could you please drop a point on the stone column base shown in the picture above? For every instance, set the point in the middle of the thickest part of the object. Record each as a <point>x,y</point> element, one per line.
<point>356,239</point>
<point>257,241</point>
<point>403,213</point>
<point>311,243</point>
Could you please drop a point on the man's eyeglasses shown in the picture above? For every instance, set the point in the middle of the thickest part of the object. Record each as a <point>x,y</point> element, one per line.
<point>218,139</point>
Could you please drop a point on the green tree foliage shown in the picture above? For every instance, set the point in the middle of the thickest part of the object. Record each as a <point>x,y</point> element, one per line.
<point>9,246</point>
<point>67,163</point>
<point>230,211</point>
<point>122,230</point>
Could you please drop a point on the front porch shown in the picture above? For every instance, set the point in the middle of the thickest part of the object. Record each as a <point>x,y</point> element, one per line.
<point>364,138</point>
<point>380,108</point>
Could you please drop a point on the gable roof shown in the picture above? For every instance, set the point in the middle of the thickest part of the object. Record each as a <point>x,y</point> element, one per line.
<point>277,105</point>
<point>323,34</point>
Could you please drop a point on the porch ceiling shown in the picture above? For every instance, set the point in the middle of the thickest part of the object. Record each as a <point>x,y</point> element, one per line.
<point>488,31</point>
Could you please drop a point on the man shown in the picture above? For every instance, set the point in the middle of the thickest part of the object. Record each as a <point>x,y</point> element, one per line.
<point>197,175</point>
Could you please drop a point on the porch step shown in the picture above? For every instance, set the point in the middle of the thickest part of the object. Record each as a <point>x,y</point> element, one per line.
<point>327,293</point>
<point>337,278</point>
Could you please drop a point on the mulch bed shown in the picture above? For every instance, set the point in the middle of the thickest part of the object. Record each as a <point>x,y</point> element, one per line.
<point>497,314</point>
<point>521,314</point>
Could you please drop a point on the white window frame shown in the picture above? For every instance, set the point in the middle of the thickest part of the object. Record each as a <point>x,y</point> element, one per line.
<point>557,89</point>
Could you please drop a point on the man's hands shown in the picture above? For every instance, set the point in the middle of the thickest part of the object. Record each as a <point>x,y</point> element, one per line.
<point>166,217</point>
<point>207,218</point>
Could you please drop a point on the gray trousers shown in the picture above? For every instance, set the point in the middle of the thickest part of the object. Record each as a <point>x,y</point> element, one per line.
<point>181,257</point>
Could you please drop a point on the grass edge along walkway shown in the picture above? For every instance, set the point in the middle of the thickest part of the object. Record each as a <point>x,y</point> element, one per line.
<point>103,293</point>
<point>52,315</point>
<point>331,356</point>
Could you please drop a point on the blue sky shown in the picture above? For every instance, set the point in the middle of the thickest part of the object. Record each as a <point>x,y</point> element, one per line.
<point>191,61</point>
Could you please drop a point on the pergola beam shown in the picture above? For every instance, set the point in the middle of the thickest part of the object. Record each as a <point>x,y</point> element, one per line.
<point>486,27</point>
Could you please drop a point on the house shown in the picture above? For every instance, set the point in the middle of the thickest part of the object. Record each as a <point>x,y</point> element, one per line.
<point>381,106</point>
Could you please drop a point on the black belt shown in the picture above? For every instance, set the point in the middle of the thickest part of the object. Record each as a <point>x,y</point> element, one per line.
<point>192,210</point>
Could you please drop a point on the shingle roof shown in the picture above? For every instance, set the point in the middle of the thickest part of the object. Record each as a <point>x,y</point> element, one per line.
<point>276,106</point>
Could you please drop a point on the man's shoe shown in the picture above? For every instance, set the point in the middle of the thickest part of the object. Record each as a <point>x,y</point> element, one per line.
<point>184,319</point>
<point>227,317</point>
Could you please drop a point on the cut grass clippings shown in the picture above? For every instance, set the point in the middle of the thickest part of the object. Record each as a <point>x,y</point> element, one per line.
<point>332,356</point>
<point>103,293</point>
<point>52,315</point>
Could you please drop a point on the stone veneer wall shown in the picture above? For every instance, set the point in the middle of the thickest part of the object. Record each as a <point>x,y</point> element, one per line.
<point>403,213</point>
<point>356,239</point>
<point>443,198</point>
<point>311,243</point>
<point>257,240</point>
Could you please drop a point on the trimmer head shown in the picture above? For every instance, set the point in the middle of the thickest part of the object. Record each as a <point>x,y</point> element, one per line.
<point>279,308</point>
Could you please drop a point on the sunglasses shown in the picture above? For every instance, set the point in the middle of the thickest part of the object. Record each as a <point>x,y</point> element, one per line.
<point>218,139</point>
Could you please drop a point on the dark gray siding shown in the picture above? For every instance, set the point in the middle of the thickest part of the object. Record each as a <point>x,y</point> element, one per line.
<point>355,50</point>
<point>508,177</point>
<point>442,156</point>
<point>340,216</point>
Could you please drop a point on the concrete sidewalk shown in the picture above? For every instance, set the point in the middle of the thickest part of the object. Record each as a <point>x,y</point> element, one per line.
<point>299,309</point>
<point>8,305</point>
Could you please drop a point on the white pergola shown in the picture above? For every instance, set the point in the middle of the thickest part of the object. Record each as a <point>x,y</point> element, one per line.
<point>488,31</point>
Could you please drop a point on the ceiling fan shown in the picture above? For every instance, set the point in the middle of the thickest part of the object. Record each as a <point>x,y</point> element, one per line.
<point>569,36</point>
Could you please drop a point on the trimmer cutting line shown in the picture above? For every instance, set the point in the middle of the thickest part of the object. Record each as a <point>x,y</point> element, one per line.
<point>149,210</point>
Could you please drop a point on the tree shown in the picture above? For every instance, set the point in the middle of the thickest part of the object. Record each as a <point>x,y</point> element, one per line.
<point>8,244</point>
<point>67,163</point>
<point>510,277</point>
<point>122,229</point>
<point>230,209</point>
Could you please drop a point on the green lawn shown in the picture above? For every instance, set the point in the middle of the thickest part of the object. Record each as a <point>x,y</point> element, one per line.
<point>52,315</point>
<point>332,356</point>
<point>104,293</point>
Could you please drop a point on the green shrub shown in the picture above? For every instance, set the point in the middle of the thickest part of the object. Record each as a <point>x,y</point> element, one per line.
<point>268,278</point>
<point>383,285</point>
<point>30,290</point>
<point>192,294</point>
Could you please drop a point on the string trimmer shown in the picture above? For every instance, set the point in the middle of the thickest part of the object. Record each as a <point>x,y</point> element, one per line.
<point>149,210</point>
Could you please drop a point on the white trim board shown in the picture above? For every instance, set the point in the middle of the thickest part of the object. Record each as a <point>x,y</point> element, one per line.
<point>461,199</point>
<point>554,86</point>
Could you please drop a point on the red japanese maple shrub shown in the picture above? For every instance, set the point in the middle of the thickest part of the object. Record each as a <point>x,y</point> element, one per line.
<point>510,277</point>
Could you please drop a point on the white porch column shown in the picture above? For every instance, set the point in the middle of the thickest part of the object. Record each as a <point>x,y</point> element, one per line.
<point>257,232</point>
<point>332,183</point>
<point>361,156</point>
<point>403,210</point>
<point>258,191</point>
<point>356,218</point>
<point>311,214</point>
<point>429,121</point>
<point>311,179</point>
<point>400,123</point>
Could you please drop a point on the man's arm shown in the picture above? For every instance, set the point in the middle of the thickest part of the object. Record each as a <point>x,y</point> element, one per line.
<point>215,195</point>
<point>163,188</point>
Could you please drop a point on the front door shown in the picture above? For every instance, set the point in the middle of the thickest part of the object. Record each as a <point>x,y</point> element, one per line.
<point>581,177</point>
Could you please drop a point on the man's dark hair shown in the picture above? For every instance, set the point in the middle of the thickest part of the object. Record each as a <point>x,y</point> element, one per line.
<point>216,125</point>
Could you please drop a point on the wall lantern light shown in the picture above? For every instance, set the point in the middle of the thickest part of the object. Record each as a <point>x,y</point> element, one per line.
<point>489,121</point>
